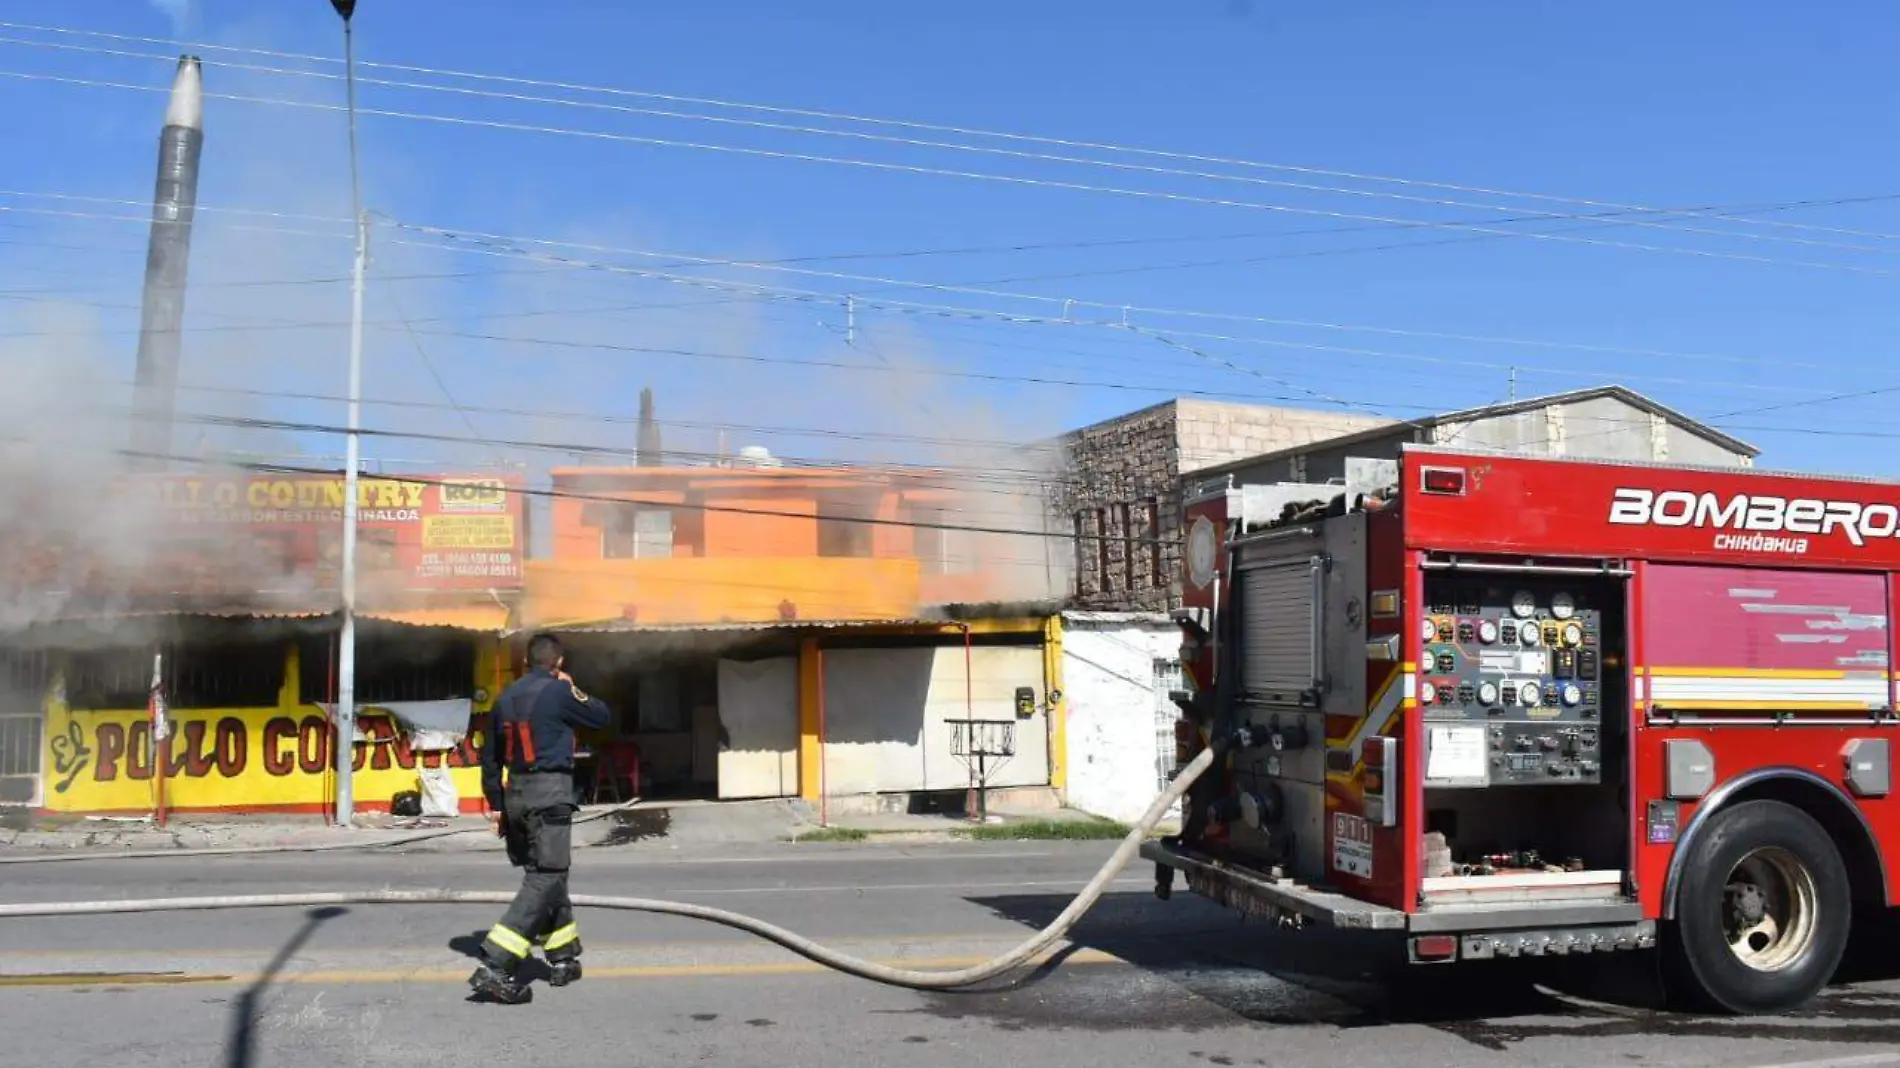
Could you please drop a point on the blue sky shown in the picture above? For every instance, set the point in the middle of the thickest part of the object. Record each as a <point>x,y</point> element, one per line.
<point>1617,104</point>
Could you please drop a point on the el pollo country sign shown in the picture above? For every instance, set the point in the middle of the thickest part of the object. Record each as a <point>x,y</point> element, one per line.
<point>421,532</point>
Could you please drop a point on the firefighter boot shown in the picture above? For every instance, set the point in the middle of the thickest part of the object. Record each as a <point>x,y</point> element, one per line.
<point>563,972</point>
<point>491,982</point>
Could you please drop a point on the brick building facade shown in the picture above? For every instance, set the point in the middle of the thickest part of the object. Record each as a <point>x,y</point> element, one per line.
<point>1122,496</point>
<point>1125,476</point>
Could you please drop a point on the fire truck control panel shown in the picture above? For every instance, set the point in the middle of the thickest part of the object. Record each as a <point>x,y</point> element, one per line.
<point>1519,666</point>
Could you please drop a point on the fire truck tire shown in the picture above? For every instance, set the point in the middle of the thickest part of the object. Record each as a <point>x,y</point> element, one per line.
<point>1762,912</point>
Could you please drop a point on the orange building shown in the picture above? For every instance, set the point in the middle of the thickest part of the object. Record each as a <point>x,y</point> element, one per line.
<point>758,544</point>
<point>769,631</point>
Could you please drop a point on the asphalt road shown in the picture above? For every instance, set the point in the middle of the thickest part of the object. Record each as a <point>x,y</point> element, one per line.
<point>1143,983</point>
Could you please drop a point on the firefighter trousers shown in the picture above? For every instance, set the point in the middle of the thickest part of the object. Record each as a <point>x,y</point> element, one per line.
<point>539,809</point>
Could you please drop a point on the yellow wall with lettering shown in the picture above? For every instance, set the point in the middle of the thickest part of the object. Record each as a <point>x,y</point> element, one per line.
<point>246,759</point>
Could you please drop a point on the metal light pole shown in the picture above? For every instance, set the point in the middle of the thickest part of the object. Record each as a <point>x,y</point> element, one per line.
<point>346,641</point>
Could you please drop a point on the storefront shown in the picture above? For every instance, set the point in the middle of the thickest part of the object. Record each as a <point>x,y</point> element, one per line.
<point>194,666</point>
<point>822,710</point>
<point>246,717</point>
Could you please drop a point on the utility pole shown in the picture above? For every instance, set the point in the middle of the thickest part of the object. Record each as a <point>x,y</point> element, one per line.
<point>346,640</point>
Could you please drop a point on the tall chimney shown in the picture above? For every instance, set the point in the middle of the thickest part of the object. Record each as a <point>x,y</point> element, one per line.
<point>162,316</point>
<point>650,454</point>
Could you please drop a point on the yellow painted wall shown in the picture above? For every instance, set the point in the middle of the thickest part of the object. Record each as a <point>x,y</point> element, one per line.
<point>1058,706</point>
<point>246,759</point>
<point>811,692</point>
<point>675,590</point>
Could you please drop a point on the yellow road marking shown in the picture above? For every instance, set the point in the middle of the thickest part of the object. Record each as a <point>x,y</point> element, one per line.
<point>669,971</point>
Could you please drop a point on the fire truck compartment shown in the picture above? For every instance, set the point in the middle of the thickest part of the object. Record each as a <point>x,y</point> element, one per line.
<point>1263,895</point>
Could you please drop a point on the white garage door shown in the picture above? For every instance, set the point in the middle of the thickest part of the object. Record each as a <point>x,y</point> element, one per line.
<point>888,713</point>
<point>758,707</point>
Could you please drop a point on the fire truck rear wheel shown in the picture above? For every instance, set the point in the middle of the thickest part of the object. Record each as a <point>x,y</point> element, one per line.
<point>1762,911</point>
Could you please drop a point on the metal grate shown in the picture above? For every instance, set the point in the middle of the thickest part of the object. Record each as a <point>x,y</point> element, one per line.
<point>984,745</point>
<point>19,745</point>
<point>982,737</point>
<point>24,676</point>
<point>1167,679</point>
<point>418,668</point>
<point>1280,617</point>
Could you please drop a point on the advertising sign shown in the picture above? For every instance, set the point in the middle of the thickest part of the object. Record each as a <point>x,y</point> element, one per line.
<point>423,532</point>
<point>238,760</point>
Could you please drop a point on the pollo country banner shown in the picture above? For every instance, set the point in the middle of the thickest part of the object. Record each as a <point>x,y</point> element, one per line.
<point>421,532</point>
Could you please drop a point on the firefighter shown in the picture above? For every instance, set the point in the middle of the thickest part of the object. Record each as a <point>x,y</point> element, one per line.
<point>532,739</point>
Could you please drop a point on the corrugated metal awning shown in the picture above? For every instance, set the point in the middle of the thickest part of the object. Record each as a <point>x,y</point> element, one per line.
<point>486,618</point>
<point>628,626</point>
<point>95,615</point>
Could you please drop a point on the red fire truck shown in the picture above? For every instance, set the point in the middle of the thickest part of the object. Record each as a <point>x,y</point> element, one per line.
<point>1505,706</point>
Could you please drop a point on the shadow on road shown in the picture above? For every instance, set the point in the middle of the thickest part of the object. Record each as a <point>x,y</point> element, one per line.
<point>241,1050</point>
<point>1200,967</point>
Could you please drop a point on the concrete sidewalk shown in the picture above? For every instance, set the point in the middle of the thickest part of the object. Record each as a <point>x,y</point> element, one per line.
<point>658,822</point>
<point>647,824</point>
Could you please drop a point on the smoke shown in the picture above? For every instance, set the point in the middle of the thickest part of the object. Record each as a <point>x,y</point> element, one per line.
<point>266,321</point>
<point>968,471</point>
<point>183,14</point>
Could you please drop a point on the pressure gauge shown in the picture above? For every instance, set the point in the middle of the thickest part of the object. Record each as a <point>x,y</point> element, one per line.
<point>1573,635</point>
<point>1427,693</point>
<point>1487,631</point>
<point>1562,605</point>
<point>1488,693</point>
<point>1528,694</point>
<point>1523,603</point>
<point>1573,694</point>
<point>1427,630</point>
<point>1529,635</point>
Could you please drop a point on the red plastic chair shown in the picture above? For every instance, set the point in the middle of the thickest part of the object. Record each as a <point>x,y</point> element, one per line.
<point>617,764</point>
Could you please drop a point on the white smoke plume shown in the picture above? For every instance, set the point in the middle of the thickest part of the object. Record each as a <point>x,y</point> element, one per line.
<point>266,320</point>
<point>183,14</point>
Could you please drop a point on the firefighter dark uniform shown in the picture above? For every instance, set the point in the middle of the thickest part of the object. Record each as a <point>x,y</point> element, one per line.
<point>532,739</point>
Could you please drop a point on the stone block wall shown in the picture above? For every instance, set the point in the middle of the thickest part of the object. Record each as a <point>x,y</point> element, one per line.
<point>1123,495</point>
<point>1214,433</point>
<point>1122,499</point>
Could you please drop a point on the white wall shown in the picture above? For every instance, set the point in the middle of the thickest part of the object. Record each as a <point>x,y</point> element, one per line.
<point>758,706</point>
<point>886,713</point>
<point>1108,669</point>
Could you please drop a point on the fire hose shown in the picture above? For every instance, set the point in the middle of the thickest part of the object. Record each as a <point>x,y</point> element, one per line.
<point>799,944</point>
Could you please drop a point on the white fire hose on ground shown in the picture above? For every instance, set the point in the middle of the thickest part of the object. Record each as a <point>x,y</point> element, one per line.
<point>799,944</point>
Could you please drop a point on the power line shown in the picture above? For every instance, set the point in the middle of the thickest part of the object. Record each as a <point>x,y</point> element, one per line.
<point>572,495</point>
<point>146,220</point>
<point>912,142</point>
<point>898,254</point>
<point>570,415</point>
<point>1028,486</point>
<point>1046,445</point>
<point>499,246</point>
<point>1017,180</point>
<point>814,464</point>
<point>762,292</point>
<point>916,125</point>
<point>1303,393</point>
